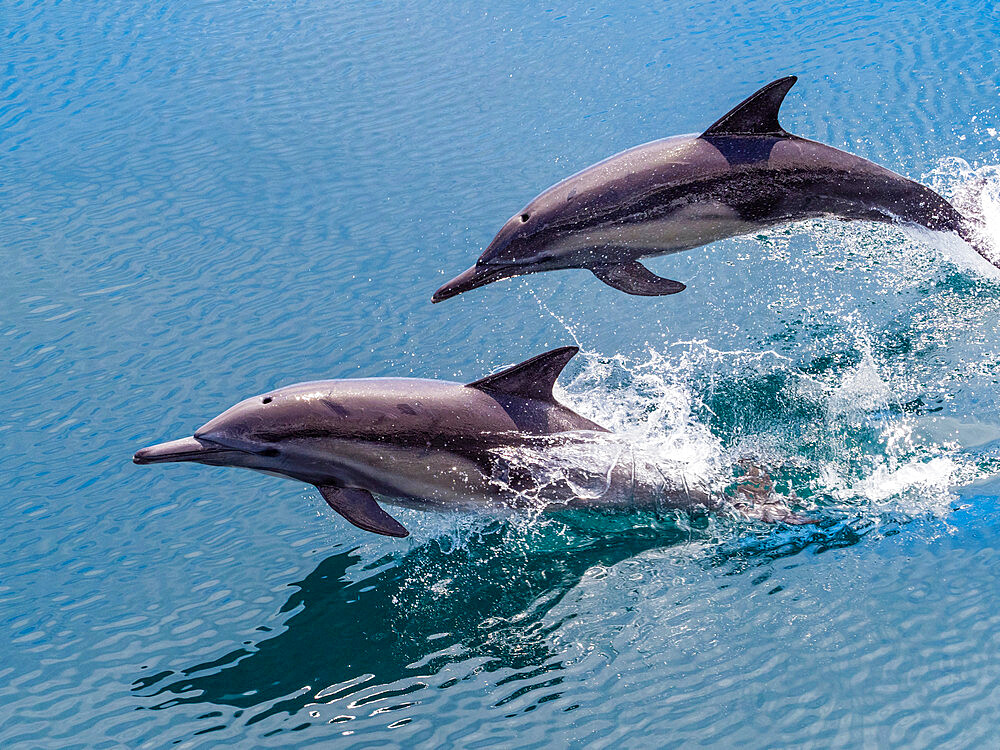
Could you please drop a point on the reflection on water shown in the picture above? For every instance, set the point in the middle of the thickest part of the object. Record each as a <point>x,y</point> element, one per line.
<point>485,603</point>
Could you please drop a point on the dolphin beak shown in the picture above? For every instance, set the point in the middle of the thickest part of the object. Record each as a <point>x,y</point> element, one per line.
<point>473,278</point>
<point>185,449</point>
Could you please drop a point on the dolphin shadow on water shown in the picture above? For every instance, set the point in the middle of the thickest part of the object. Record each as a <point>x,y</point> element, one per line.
<point>487,603</point>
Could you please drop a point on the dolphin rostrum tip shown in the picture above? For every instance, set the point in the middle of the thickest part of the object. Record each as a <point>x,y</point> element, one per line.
<point>473,278</point>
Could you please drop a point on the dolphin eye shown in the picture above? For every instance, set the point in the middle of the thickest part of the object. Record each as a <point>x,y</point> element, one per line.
<point>270,452</point>
<point>524,218</point>
<point>266,400</point>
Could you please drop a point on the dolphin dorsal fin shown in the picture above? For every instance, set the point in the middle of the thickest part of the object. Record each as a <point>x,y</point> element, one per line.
<point>533,378</point>
<point>757,114</point>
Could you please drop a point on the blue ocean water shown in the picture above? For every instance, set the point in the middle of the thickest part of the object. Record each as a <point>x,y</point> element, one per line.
<point>201,201</point>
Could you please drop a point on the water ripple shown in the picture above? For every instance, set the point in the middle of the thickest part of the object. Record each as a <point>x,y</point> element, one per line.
<point>202,201</point>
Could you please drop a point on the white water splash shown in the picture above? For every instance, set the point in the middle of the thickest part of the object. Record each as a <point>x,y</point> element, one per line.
<point>975,193</point>
<point>877,465</point>
<point>861,390</point>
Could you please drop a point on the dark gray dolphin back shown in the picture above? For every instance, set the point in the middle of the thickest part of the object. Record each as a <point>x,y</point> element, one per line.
<point>855,188</point>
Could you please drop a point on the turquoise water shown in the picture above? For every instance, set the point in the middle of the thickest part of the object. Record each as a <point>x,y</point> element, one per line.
<point>202,201</point>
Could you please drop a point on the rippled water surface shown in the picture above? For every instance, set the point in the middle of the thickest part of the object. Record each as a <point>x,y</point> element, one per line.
<point>202,201</point>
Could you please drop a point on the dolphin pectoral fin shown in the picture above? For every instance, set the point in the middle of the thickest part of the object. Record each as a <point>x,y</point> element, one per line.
<point>632,277</point>
<point>360,508</point>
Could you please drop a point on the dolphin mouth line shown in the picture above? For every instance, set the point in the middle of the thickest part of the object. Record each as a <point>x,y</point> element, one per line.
<point>473,278</point>
<point>185,449</point>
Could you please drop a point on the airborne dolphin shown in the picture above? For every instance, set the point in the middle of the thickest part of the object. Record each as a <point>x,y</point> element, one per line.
<point>743,174</point>
<point>423,443</point>
<point>427,444</point>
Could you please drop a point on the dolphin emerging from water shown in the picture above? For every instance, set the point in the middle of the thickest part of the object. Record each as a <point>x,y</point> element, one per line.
<point>743,174</point>
<point>421,443</point>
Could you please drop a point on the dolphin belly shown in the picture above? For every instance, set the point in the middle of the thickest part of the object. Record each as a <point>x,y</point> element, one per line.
<point>419,476</point>
<point>688,226</point>
<point>575,472</point>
